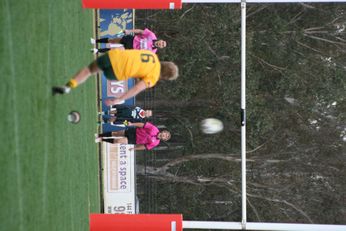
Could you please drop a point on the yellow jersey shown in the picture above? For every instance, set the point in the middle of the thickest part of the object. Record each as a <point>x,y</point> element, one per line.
<point>141,64</point>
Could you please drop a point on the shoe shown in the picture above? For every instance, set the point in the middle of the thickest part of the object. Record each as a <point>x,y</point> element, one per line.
<point>60,90</point>
<point>92,41</point>
<point>94,50</point>
<point>101,113</point>
<point>98,139</point>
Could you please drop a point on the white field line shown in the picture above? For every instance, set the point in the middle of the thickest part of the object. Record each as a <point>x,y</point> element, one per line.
<point>71,186</point>
<point>68,155</point>
<point>95,27</point>
<point>46,125</point>
<point>15,116</point>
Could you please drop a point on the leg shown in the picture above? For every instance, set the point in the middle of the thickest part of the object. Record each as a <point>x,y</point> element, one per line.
<point>112,110</point>
<point>115,141</point>
<point>102,40</point>
<point>115,45</point>
<point>112,119</point>
<point>103,50</point>
<point>100,50</point>
<point>80,77</point>
<point>108,118</point>
<point>114,40</point>
<point>112,113</point>
<point>120,133</point>
<point>110,137</point>
<point>121,141</point>
<point>102,63</point>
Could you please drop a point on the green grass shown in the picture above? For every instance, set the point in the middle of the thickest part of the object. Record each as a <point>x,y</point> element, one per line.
<point>49,168</point>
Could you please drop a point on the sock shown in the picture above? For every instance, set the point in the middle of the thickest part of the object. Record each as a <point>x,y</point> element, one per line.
<point>106,118</point>
<point>102,40</point>
<point>106,134</point>
<point>72,83</point>
<point>109,141</point>
<point>104,50</point>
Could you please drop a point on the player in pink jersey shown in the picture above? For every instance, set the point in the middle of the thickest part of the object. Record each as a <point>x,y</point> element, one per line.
<point>142,135</point>
<point>142,40</point>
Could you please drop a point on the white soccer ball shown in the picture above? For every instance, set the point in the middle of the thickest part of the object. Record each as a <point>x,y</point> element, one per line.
<point>211,126</point>
<point>73,117</point>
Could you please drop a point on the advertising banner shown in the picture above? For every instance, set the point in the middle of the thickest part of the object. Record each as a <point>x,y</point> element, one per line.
<point>119,179</point>
<point>111,24</point>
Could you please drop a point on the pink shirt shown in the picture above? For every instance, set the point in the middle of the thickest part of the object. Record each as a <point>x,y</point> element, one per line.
<point>145,41</point>
<point>147,135</point>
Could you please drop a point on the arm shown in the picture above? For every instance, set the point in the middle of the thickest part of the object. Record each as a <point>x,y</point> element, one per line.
<point>136,31</point>
<point>140,86</point>
<point>137,125</point>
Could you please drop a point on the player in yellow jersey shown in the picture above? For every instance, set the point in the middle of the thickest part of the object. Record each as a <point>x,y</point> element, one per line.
<point>122,65</point>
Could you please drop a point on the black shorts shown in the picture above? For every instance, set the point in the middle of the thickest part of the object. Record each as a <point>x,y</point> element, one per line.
<point>104,63</point>
<point>127,41</point>
<point>130,133</point>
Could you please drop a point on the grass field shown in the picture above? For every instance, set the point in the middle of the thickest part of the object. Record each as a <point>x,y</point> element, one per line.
<point>49,168</point>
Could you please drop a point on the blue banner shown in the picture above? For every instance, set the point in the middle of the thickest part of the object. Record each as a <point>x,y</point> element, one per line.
<point>111,25</point>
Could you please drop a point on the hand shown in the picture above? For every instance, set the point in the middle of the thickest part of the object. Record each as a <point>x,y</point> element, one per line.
<point>129,124</point>
<point>113,101</point>
<point>109,102</point>
<point>125,32</point>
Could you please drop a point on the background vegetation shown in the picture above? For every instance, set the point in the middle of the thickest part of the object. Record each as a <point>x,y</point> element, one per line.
<point>295,113</point>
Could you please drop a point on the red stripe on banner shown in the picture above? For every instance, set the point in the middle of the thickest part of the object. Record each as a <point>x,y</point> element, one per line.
<point>132,4</point>
<point>136,222</point>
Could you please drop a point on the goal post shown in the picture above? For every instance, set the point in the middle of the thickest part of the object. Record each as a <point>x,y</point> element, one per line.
<point>174,225</point>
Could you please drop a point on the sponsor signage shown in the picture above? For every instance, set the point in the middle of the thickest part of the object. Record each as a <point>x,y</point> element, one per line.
<point>119,179</point>
<point>116,88</point>
<point>111,24</point>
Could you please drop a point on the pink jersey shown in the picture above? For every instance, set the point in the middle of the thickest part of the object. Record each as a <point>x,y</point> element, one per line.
<point>145,41</point>
<point>147,136</point>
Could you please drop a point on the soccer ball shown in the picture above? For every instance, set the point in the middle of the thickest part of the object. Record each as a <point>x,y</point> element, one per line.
<point>73,117</point>
<point>211,126</point>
